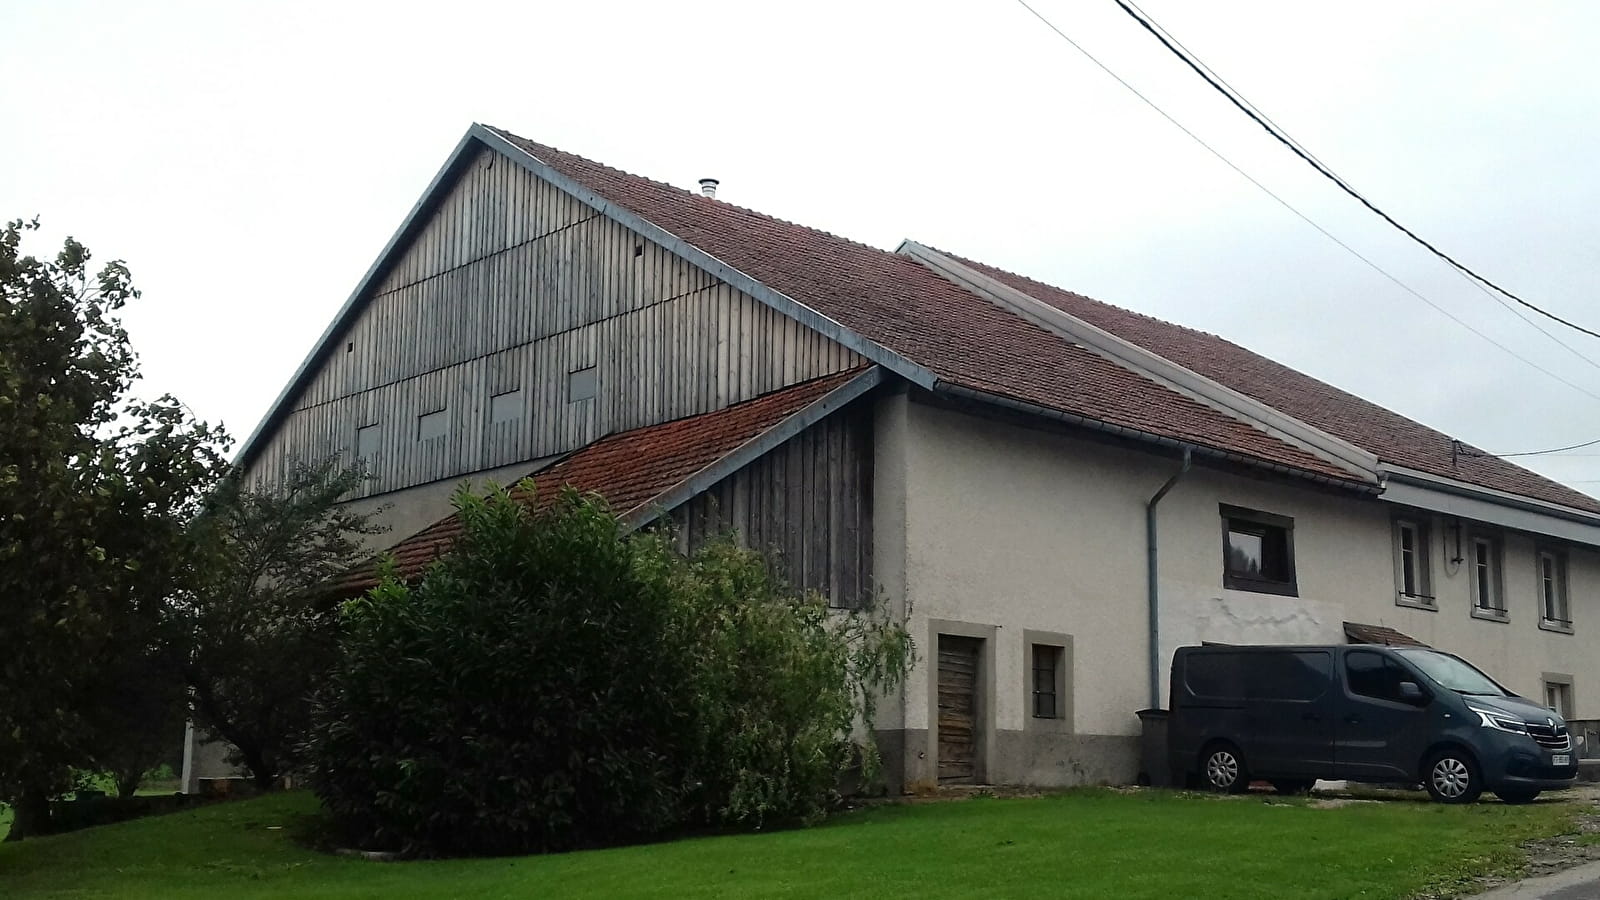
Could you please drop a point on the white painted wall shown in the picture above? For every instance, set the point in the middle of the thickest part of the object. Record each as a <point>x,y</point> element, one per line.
<point>1024,529</point>
<point>409,510</point>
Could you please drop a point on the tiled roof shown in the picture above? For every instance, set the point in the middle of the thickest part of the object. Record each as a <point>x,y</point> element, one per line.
<point>630,469</point>
<point>904,307</point>
<point>1393,438</point>
<point>1358,633</point>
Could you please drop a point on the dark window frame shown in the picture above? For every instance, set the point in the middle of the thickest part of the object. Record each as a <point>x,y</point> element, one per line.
<point>1051,674</point>
<point>1254,519</point>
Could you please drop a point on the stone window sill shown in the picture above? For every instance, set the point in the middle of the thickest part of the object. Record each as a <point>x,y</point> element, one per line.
<point>1416,601</point>
<point>1557,627</point>
<point>1489,615</point>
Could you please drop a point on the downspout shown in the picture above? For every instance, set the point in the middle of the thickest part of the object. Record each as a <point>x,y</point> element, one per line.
<point>1151,584</point>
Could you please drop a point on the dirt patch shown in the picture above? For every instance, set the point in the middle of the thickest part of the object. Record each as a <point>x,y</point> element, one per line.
<point>1547,856</point>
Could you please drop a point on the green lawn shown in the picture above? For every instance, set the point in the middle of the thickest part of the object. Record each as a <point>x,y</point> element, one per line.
<point>1082,844</point>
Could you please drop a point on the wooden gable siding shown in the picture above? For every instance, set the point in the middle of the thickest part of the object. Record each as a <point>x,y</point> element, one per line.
<point>807,505</point>
<point>512,285</point>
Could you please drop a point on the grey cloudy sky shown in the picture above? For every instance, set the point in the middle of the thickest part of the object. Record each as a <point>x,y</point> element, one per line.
<point>249,160</point>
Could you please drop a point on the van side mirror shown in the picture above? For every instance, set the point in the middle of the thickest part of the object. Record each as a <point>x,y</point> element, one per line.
<point>1410,693</point>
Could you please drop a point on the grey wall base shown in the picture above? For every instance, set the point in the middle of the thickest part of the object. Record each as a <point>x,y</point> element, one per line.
<point>1035,758</point>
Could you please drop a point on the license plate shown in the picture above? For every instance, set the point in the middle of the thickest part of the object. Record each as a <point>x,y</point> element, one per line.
<point>1561,759</point>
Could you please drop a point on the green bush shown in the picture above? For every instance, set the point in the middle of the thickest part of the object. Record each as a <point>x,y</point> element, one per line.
<point>555,682</point>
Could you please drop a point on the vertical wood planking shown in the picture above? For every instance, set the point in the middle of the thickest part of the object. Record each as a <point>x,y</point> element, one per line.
<point>509,282</point>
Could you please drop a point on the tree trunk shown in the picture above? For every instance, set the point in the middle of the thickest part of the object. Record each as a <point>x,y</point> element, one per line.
<point>128,783</point>
<point>261,772</point>
<point>32,815</point>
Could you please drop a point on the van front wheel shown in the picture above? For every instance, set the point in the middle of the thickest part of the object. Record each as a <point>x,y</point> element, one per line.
<point>1451,776</point>
<point>1223,770</point>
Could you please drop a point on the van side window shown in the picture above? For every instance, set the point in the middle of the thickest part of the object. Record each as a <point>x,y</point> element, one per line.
<point>1374,675</point>
<point>1301,675</point>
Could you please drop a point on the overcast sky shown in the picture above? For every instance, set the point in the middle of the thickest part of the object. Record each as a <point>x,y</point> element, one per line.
<point>249,161</point>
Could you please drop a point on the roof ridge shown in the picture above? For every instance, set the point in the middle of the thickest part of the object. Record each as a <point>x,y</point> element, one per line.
<point>1207,334</point>
<point>1123,309</point>
<point>529,144</point>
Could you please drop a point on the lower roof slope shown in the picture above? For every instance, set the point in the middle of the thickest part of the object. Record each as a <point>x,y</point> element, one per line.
<point>630,469</point>
<point>1393,438</point>
<point>908,309</point>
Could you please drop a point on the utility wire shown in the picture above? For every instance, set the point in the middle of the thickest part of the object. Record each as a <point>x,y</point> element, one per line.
<point>1282,133</point>
<point>1302,216</point>
<point>1331,176</point>
<point>1543,452</point>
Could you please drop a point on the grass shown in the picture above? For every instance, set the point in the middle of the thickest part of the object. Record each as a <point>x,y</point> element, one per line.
<point>1080,844</point>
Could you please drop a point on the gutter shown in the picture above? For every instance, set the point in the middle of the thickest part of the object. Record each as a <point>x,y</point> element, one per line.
<point>1152,586</point>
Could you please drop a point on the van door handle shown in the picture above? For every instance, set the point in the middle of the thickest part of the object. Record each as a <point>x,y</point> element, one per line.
<point>1311,717</point>
<point>1352,720</point>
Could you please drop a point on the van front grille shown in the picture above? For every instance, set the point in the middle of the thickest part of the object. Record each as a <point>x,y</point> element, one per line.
<point>1551,738</point>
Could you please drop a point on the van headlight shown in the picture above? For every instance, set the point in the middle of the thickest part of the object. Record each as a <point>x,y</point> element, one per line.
<point>1498,721</point>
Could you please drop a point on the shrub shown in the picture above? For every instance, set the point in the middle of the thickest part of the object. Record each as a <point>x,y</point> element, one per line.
<point>555,682</point>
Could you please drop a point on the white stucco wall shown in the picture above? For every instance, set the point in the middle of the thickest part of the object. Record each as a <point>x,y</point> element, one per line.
<point>1004,526</point>
<point>406,512</point>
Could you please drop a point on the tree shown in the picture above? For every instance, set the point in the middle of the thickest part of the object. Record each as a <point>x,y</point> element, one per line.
<point>95,492</point>
<point>260,618</point>
<point>555,682</point>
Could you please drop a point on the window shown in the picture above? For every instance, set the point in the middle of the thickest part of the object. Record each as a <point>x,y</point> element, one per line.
<point>432,425</point>
<point>1558,695</point>
<point>1553,588</point>
<point>582,384</point>
<point>1374,675</point>
<point>1412,576</point>
<point>1488,598</point>
<point>1046,672</point>
<point>368,438</point>
<point>1047,678</point>
<point>505,407</point>
<point>1300,675</point>
<point>1257,552</point>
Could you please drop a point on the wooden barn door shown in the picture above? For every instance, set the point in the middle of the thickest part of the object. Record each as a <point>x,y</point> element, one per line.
<point>958,708</point>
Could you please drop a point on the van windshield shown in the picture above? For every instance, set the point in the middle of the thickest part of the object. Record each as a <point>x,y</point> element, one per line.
<point>1453,673</point>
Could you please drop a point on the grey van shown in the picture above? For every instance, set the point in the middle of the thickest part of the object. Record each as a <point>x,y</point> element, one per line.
<point>1292,714</point>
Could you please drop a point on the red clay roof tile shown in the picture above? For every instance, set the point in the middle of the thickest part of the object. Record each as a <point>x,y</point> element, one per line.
<point>1393,438</point>
<point>901,305</point>
<point>1358,633</point>
<point>630,469</point>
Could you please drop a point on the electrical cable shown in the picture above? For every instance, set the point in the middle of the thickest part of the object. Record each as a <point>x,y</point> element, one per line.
<point>1234,94</point>
<point>1329,173</point>
<point>1291,208</point>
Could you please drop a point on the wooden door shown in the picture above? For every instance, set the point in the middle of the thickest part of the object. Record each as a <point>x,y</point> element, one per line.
<point>958,708</point>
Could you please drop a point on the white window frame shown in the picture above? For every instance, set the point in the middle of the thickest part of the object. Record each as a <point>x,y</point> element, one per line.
<point>1555,603</point>
<point>1421,563</point>
<point>1487,570</point>
<point>1558,694</point>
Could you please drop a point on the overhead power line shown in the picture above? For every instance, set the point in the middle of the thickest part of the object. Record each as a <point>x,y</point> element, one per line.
<point>1551,450</point>
<point>1313,162</point>
<point>1302,216</point>
<point>1236,95</point>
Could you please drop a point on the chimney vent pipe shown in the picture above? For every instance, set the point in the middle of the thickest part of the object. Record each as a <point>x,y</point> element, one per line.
<point>708,187</point>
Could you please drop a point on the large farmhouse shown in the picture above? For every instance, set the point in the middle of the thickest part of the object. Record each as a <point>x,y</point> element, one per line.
<point>1059,490</point>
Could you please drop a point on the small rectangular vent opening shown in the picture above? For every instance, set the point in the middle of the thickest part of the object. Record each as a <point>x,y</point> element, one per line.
<point>368,438</point>
<point>505,407</point>
<point>583,384</point>
<point>432,425</point>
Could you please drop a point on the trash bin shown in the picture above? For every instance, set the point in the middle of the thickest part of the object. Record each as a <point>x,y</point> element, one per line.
<point>1155,763</point>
